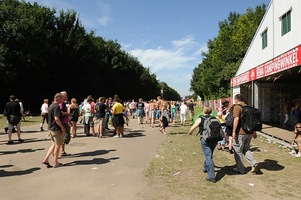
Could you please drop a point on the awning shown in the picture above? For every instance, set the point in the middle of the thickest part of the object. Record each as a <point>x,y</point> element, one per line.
<point>289,59</point>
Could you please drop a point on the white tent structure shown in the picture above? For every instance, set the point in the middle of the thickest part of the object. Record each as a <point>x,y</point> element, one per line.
<point>270,72</point>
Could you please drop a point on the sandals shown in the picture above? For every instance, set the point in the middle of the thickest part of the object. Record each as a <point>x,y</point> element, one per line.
<point>65,154</point>
<point>47,164</point>
<point>59,165</point>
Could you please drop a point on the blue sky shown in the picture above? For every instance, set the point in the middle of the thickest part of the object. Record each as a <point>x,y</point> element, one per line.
<point>166,36</point>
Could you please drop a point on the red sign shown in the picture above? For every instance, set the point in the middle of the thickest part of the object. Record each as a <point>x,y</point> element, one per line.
<point>283,62</point>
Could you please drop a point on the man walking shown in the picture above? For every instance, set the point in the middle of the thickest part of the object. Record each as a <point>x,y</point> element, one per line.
<point>207,146</point>
<point>65,121</point>
<point>242,139</point>
<point>140,111</point>
<point>56,129</point>
<point>13,114</point>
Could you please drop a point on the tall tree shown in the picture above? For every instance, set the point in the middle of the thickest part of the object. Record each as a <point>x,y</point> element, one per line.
<point>211,79</point>
<point>42,53</point>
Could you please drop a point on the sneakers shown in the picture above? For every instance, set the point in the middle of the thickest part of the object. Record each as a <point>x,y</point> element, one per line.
<point>298,154</point>
<point>293,152</point>
<point>254,169</point>
<point>116,136</point>
<point>212,180</point>
<point>236,170</point>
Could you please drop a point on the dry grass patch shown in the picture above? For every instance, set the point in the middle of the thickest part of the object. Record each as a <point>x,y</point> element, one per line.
<point>176,172</point>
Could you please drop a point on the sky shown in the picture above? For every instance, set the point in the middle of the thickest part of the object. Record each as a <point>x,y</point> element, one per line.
<point>167,36</point>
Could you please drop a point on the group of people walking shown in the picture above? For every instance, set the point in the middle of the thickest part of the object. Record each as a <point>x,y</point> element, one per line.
<point>239,140</point>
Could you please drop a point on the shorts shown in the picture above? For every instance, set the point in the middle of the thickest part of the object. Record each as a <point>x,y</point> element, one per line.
<point>164,122</point>
<point>57,137</point>
<point>87,120</point>
<point>152,114</point>
<point>100,121</point>
<point>139,113</point>
<point>118,120</point>
<point>10,126</point>
<point>44,117</point>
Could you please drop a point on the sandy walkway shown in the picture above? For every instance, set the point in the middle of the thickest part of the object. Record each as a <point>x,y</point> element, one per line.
<point>99,168</point>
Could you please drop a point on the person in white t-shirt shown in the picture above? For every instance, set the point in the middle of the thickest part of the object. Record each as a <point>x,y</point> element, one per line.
<point>44,114</point>
<point>87,111</point>
<point>183,112</point>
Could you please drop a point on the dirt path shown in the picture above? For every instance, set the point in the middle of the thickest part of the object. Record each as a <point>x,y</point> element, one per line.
<point>99,168</point>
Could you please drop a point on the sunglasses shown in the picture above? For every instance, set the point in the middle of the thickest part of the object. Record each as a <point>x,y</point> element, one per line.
<point>298,127</point>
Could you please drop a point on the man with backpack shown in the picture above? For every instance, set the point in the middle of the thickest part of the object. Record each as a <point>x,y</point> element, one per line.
<point>242,137</point>
<point>13,114</point>
<point>212,132</point>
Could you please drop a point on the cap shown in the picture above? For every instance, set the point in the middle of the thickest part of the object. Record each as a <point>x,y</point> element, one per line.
<point>225,103</point>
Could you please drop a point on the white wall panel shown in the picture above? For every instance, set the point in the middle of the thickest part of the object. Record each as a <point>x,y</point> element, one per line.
<point>277,44</point>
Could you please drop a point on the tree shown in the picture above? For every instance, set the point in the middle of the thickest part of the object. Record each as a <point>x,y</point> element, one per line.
<point>41,54</point>
<point>211,79</point>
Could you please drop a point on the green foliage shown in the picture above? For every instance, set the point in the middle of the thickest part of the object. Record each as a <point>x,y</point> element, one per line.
<point>42,53</point>
<point>169,93</point>
<point>211,79</point>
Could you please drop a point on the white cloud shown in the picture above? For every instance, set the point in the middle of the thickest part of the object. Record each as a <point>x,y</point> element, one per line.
<point>188,41</point>
<point>104,20</point>
<point>174,64</point>
<point>181,54</point>
<point>104,10</point>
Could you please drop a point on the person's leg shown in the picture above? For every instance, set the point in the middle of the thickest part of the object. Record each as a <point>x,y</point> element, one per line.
<point>63,148</point>
<point>208,164</point>
<point>50,151</point>
<point>118,131</point>
<point>230,143</point>
<point>101,127</point>
<point>42,123</point>
<point>56,155</point>
<point>121,131</point>
<point>18,126</point>
<point>72,130</point>
<point>10,131</point>
<point>246,151</point>
<point>238,147</point>
<point>92,125</point>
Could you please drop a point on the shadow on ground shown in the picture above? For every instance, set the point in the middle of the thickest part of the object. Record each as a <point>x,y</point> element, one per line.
<point>4,173</point>
<point>270,165</point>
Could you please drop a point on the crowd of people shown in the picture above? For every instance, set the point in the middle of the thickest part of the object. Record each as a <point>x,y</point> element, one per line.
<point>63,116</point>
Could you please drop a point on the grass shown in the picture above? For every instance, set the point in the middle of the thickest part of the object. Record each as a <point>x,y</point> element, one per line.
<point>176,171</point>
<point>29,120</point>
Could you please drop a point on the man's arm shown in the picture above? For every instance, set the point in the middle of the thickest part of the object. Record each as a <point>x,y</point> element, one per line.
<point>58,121</point>
<point>235,124</point>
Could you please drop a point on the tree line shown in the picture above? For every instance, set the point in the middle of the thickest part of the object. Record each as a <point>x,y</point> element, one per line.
<point>42,52</point>
<point>211,78</point>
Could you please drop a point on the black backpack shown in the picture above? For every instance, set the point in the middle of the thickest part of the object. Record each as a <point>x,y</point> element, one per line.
<point>251,119</point>
<point>211,129</point>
